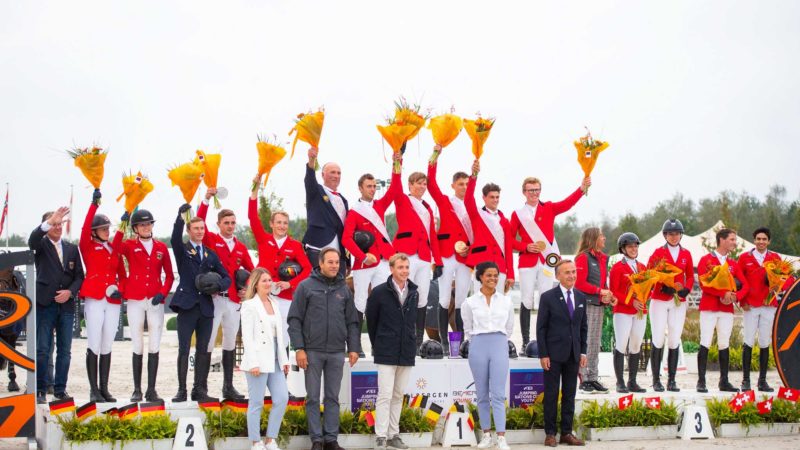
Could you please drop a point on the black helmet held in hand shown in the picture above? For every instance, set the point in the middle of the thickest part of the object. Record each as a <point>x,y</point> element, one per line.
<point>100,221</point>
<point>241,276</point>
<point>141,216</point>
<point>672,225</point>
<point>207,283</point>
<point>512,350</point>
<point>431,350</point>
<point>627,238</point>
<point>289,269</point>
<point>364,240</point>
<point>463,350</point>
<point>532,350</point>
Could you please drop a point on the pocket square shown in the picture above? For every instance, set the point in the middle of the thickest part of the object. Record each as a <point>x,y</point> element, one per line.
<point>580,306</point>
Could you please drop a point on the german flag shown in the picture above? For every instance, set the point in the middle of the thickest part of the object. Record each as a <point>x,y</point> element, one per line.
<point>296,403</point>
<point>235,405</point>
<point>420,401</point>
<point>111,412</point>
<point>86,411</point>
<point>129,412</point>
<point>268,401</point>
<point>58,407</point>
<point>152,409</point>
<point>368,416</point>
<point>212,405</point>
<point>433,413</point>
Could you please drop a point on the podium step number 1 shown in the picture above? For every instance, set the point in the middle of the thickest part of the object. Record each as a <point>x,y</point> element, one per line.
<point>457,430</point>
<point>695,424</point>
<point>190,434</point>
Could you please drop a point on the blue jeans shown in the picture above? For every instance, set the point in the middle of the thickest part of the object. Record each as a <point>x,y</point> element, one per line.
<point>58,317</point>
<point>488,360</point>
<point>276,381</point>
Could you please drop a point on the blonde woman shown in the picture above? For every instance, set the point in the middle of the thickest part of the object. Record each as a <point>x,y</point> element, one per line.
<point>264,360</point>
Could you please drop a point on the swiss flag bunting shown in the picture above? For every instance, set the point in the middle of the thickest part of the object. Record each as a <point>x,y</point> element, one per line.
<point>788,394</point>
<point>653,402</point>
<point>625,402</point>
<point>765,407</point>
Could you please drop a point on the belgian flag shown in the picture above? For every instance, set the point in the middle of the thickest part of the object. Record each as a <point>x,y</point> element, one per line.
<point>86,411</point>
<point>212,405</point>
<point>457,407</point>
<point>420,401</point>
<point>129,412</point>
<point>58,407</point>
<point>152,409</point>
<point>235,405</point>
<point>473,419</point>
<point>368,416</point>
<point>434,412</point>
<point>406,400</point>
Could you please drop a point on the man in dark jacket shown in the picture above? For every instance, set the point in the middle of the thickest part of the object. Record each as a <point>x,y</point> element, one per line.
<point>59,275</point>
<point>192,301</point>
<point>323,324</point>
<point>391,321</point>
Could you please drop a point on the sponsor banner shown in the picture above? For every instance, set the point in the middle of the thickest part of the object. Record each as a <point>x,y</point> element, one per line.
<point>524,386</point>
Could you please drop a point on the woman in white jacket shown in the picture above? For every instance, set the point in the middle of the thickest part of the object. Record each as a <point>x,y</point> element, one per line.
<point>264,360</point>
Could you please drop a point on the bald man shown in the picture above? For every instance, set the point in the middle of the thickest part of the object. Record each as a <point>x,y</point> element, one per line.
<point>326,210</point>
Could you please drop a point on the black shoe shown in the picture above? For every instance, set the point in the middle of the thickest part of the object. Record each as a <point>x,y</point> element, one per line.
<point>183,369</point>
<point>619,371</point>
<point>41,398</point>
<point>762,386</point>
<point>747,359</point>
<point>136,362</point>
<point>202,364</point>
<point>587,387</point>
<point>701,386</point>
<point>724,365</point>
<point>13,386</point>
<point>317,446</point>
<point>91,373</point>
<point>180,396</point>
<point>763,366</point>
<point>228,391</point>
<point>702,363</point>
<point>672,368</point>
<point>459,320</point>
<point>633,369</point>
<point>152,371</point>
<point>525,325</point>
<point>655,368</point>
<point>62,395</point>
<point>599,387</point>
<point>50,390</point>
<point>444,324</point>
<point>105,368</point>
<point>332,446</point>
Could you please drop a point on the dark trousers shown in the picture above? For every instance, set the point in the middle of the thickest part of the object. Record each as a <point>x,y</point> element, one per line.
<point>330,366</point>
<point>565,376</point>
<point>192,321</point>
<point>58,318</point>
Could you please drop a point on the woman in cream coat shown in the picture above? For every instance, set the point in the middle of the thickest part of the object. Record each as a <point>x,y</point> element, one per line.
<point>264,360</point>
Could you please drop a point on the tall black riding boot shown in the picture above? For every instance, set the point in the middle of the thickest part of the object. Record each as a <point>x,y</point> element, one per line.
<point>747,359</point>
<point>183,369</point>
<point>655,367</point>
<point>444,325</point>
<point>459,320</point>
<point>105,369</point>
<point>672,368</point>
<point>152,371</point>
<point>12,378</point>
<point>361,353</point>
<point>420,327</point>
<point>91,372</point>
<point>702,363</point>
<point>525,325</point>
<point>137,378</point>
<point>201,367</point>
<point>763,366</point>
<point>724,365</point>
<point>228,360</point>
<point>633,369</point>
<point>619,371</point>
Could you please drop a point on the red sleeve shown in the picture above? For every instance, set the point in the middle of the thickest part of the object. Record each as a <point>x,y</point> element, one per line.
<point>208,237</point>
<point>434,241</point>
<point>469,203</point>
<point>508,251</point>
<point>688,271</point>
<point>247,262</point>
<point>383,203</point>
<point>515,226</point>
<point>202,211</point>
<point>433,186</point>
<point>122,277</point>
<point>741,293</point>
<point>304,263</point>
<point>702,269</point>
<point>166,265</point>
<point>119,245</point>
<point>347,236</point>
<point>255,222</point>
<point>86,231</point>
<point>581,264</point>
<point>618,282</point>
<point>567,204</point>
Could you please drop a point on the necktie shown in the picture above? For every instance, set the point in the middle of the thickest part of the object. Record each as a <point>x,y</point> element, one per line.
<point>570,306</point>
<point>60,253</point>
<point>199,250</point>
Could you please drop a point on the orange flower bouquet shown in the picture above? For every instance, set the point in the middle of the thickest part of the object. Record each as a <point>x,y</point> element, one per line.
<point>308,128</point>
<point>666,273</point>
<point>187,177</point>
<point>478,130</point>
<point>396,135</point>
<point>134,188</point>
<point>408,114</point>
<point>269,155</point>
<point>209,162</point>
<point>778,272</point>
<point>588,150</point>
<point>445,128</point>
<point>718,277</point>
<point>641,286</point>
<point>91,161</point>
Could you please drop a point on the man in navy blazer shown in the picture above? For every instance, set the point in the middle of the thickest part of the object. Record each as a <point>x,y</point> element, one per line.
<point>192,301</point>
<point>561,331</point>
<point>326,210</point>
<point>59,275</point>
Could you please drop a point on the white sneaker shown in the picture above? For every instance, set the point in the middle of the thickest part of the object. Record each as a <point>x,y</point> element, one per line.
<point>273,445</point>
<point>258,446</point>
<point>486,441</point>
<point>502,444</point>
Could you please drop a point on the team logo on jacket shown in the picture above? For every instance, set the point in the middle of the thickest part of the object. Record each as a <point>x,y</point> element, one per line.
<point>325,198</point>
<point>71,265</point>
<point>159,255</point>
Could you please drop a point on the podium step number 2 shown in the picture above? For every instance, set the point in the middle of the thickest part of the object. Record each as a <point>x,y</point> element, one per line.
<point>457,430</point>
<point>190,434</point>
<point>695,424</point>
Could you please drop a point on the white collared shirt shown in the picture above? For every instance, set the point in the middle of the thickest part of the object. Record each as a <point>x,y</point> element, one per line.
<point>46,227</point>
<point>280,241</point>
<point>760,256</point>
<point>532,208</point>
<point>229,241</point>
<point>632,264</point>
<point>337,202</point>
<point>721,258</point>
<point>480,318</point>
<point>147,244</point>
<point>564,294</point>
<point>402,293</point>
<point>674,251</point>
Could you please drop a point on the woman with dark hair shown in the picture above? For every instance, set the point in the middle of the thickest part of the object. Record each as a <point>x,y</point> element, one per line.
<point>592,267</point>
<point>488,322</point>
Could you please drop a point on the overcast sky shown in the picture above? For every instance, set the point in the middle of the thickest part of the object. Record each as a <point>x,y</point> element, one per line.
<point>694,97</point>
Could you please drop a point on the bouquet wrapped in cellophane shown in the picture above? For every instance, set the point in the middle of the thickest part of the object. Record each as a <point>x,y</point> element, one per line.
<point>778,272</point>
<point>308,128</point>
<point>666,273</point>
<point>641,287</point>
<point>408,114</point>
<point>718,277</point>
<point>187,177</point>
<point>91,161</point>
<point>269,155</point>
<point>134,188</point>
<point>396,135</point>
<point>588,150</point>
<point>478,130</point>
<point>445,128</point>
<point>209,162</point>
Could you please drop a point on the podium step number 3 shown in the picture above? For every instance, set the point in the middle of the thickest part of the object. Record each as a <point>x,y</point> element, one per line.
<point>190,434</point>
<point>457,430</point>
<point>695,424</point>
